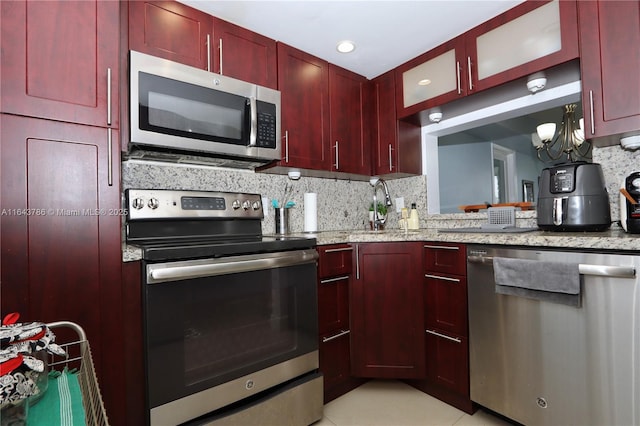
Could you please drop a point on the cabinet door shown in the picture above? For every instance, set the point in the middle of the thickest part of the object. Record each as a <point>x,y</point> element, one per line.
<point>243,54</point>
<point>433,78</point>
<point>60,243</point>
<point>386,312</point>
<point>60,60</point>
<point>610,60</point>
<point>396,144</point>
<point>171,30</point>
<point>530,37</point>
<point>448,362</point>
<point>347,102</point>
<point>303,81</point>
<point>334,362</point>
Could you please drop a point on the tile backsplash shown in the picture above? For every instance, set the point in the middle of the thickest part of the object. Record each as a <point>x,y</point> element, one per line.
<point>343,204</point>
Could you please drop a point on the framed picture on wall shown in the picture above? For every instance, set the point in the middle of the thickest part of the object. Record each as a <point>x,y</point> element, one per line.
<point>527,191</point>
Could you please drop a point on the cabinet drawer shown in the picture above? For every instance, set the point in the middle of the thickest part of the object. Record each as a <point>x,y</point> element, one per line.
<point>448,361</point>
<point>335,260</point>
<point>333,304</point>
<point>445,258</point>
<point>334,358</point>
<point>446,303</point>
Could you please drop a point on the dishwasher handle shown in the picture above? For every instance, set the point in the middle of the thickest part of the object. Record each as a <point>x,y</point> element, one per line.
<point>584,269</point>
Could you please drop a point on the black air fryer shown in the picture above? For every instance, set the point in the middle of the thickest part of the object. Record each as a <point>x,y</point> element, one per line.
<point>573,197</point>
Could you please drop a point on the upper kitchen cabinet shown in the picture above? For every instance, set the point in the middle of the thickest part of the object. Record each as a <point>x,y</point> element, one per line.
<point>303,81</point>
<point>243,54</point>
<point>171,30</point>
<point>60,60</point>
<point>350,131</point>
<point>396,144</point>
<point>610,60</point>
<point>531,37</point>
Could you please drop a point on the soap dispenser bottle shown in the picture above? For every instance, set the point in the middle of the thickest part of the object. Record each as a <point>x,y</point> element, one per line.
<point>414,223</point>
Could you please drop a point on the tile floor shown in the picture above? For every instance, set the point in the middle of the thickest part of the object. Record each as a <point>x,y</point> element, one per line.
<point>393,403</point>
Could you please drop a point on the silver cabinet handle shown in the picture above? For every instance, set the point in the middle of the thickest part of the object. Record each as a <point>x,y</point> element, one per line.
<point>109,157</point>
<point>335,250</point>
<point>441,247</point>
<point>438,277</point>
<point>593,126</point>
<point>583,268</point>
<point>208,42</point>
<point>335,336</point>
<point>458,77</point>
<point>333,280</point>
<point>390,159</point>
<point>470,75</point>
<point>337,153</point>
<point>357,262</point>
<point>220,57</point>
<point>174,271</point>
<point>108,96</point>
<point>444,336</point>
<point>286,146</point>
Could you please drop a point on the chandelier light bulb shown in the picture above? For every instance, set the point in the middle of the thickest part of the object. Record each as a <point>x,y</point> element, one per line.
<point>546,131</point>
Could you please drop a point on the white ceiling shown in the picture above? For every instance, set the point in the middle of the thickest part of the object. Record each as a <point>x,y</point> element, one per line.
<point>386,33</point>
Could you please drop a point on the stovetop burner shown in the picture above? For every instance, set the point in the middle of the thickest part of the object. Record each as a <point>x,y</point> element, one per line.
<point>181,225</point>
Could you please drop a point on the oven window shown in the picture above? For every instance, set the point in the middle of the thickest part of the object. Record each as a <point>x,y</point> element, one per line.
<point>182,109</point>
<point>206,331</point>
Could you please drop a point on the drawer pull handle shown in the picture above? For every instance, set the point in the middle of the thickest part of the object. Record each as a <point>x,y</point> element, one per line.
<point>437,277</point>
<point>453,339</point>
<point>335,250</point>
<point>335,336</point>
<point>441,247</point>
<point>332,280</point>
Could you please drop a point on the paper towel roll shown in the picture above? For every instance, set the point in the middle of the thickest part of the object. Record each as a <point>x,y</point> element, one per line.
<point>310,212</point>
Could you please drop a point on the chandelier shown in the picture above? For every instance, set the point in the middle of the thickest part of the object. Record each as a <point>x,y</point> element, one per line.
<point>568,142</point>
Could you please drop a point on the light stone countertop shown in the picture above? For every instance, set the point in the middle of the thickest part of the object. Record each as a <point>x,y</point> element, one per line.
<point>614,239</point>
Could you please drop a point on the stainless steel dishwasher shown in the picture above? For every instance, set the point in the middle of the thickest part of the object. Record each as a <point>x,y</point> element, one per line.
<point>543,363</point>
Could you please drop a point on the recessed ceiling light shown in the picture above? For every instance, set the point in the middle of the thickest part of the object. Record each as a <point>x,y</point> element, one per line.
<point>424,82</point>
<point>346,46</point>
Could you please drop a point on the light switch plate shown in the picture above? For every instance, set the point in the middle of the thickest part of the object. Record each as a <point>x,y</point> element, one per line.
<point>399,204</point>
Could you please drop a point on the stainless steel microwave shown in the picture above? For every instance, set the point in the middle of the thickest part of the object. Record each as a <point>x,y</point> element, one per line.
<point>179,111</point>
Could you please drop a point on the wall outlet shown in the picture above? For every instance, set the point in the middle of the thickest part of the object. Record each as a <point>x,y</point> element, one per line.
<point>399,204</point>
<point>265,206</point>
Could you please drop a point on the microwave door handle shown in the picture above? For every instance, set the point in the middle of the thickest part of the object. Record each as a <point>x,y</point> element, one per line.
<point>253,106</point>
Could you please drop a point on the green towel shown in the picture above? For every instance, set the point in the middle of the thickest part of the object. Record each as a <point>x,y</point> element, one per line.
<point>61,403</point>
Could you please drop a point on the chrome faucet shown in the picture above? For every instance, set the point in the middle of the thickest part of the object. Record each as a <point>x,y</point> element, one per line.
<point>377,183</point>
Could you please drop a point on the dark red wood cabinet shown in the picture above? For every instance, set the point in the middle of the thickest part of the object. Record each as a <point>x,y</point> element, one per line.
<point>396,145</point>
<point>349,102</point>
<point>303,81</point>
<point>60,60</point>
<point>334,277</point>
<point>171,30</point>
<point>387,315</point>
<point>446,324</point>
<point>60,236</point>
<point>609,61</point>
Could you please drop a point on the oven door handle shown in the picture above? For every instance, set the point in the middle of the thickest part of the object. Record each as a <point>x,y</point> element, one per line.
<point>175,271</point>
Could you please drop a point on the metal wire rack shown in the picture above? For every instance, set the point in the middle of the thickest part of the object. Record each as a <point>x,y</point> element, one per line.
<point>79,356</point>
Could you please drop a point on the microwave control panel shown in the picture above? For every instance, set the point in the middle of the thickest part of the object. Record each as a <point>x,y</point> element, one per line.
<point>266,129</point>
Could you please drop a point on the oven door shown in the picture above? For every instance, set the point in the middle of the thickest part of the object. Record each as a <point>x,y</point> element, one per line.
<point>219,330</point>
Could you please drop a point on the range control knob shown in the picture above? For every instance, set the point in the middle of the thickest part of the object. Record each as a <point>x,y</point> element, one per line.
<point>256,205</point>
<point>235,204</point>
<point>246,204</point>
<point>137,203</point>
<point>153,203</point>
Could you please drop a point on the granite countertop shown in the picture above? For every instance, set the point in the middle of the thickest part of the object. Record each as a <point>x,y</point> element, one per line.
<point>613,239</point>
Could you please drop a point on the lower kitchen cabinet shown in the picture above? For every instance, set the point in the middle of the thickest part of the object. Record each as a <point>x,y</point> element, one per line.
<point>387,315</point>
<point>446,325</point>
<point>334,277</point>
<point>60,236</point>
